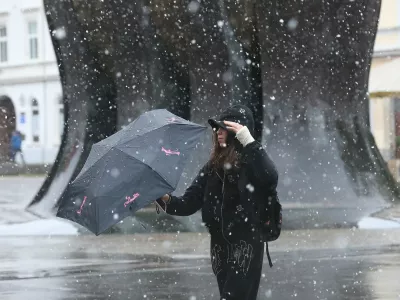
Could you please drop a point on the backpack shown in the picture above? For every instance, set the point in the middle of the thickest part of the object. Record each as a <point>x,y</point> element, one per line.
<point>270,221</point>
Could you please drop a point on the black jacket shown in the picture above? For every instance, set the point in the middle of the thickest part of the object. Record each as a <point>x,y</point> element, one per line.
<point>230,210</point>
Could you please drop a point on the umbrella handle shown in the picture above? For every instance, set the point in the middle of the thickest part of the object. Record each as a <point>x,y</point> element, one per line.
<point>157,209</point>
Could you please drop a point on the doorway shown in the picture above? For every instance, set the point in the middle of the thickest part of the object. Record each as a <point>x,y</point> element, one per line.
<point>7,126</point>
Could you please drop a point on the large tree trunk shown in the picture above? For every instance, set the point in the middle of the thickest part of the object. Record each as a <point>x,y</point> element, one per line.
<point>302,66</point>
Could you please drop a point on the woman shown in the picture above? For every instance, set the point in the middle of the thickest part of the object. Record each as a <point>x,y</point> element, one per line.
<point>228,189</point>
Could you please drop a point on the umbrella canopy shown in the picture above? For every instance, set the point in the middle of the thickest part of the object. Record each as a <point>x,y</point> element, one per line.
<point>130,169</point>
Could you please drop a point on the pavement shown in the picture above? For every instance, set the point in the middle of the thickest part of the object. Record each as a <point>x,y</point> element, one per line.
<point>346,263</point>
<point>391,213</point>
<point>16,192</point>
<point>310,264</point>
<point>14,169</point>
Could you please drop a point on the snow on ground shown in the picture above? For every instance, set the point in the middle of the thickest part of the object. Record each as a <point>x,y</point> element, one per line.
<point>61,227</point>
<point>376,223</point>
<point>39,227</point>
<point>190,256</point>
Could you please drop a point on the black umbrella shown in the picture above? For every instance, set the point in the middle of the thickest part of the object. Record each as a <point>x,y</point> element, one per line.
<point>128,170</point>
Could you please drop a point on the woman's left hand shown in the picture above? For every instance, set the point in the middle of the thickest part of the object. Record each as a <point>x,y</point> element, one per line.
<point>232,126</point>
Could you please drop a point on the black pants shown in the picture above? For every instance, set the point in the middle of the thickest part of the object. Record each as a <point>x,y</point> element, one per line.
<point>237,266</point>
<point>13,154</point>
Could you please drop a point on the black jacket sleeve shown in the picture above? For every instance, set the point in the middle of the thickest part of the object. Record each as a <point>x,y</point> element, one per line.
<point>261,168</point>
<point>192,199</point>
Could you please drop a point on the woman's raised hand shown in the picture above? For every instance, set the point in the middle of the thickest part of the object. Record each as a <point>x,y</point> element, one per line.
<point>165,198</point>
<point>232,126</point>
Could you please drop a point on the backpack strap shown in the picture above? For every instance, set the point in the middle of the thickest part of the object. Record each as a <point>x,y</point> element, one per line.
<point>269,256</point>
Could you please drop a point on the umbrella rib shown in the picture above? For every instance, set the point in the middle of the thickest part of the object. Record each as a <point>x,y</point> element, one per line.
<point>139,135</point>
<point>179,124</point>
<point>149,167</point>
<point>115,148</point>
<point>98,179</point>
<point>104,168</point>
<point>89,168</point>
<point>117,144</point>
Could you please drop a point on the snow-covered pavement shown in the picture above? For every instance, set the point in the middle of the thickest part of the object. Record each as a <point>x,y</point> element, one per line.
<point>308,264</point>
<point>16,192</point>
<point>47,259</point>
<point>42,227</point>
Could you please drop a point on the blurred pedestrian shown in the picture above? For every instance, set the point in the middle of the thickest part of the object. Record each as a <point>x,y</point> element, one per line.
<point>229,190</point>
<point>16,146</point>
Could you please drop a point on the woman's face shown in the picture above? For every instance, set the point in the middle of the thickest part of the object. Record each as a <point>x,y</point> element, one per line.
<point>222,135</point>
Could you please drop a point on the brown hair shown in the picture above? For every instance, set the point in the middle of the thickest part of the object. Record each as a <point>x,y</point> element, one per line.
<point>224,155</point>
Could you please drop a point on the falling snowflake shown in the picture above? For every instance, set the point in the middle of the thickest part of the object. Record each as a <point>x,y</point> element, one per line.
<point>227,166</point>
<point>292,24</point>
<point>60,33</point>
<point>115,172</point>
<point>268,293</point>
<point>250,187</point>
<point>193,7</point>
<point>227,76</point>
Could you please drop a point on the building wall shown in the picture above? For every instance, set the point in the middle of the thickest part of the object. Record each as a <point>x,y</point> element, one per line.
<point>387,48</point>
<point>389,14</point>
<point>383,127</point>
<point>389,26</point>
<point>49,123</point>
<point>30,78</point>
<point>379,61</point>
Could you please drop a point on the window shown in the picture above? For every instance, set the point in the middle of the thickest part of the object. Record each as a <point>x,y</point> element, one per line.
<point>35,120</point>
<point>22,101</point>
<point>3,43</point>
<point>61,114</point>
<point>22,118</point>
<point>33,40</point>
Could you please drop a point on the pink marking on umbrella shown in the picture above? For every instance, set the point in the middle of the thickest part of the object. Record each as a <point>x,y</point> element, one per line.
<point>130,200</point>
<point>172,120</point>
<point>79,211</point>
<point>169,152</point>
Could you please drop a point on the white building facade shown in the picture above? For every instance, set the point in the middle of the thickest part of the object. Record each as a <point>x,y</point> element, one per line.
<point>29,77</point>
